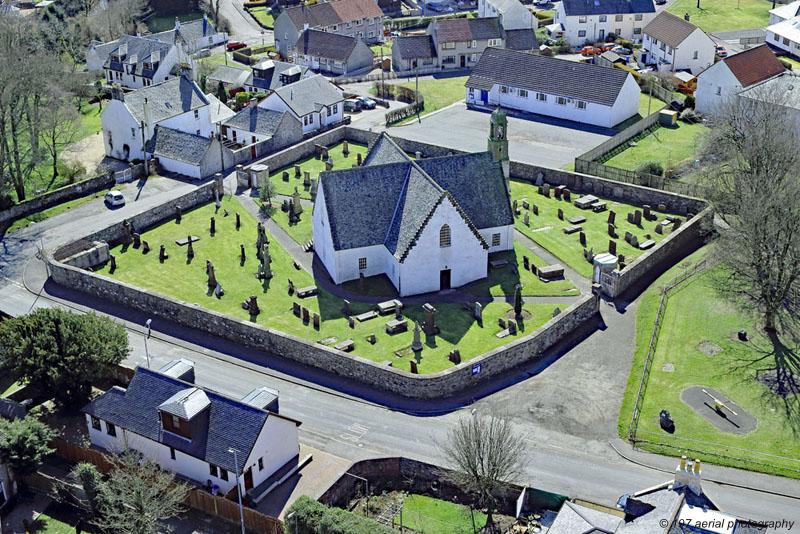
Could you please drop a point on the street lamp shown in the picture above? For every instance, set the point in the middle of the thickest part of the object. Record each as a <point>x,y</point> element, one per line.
<point>147,335</point>
<point>291,515</point>
<point>238,487</point>
<point>366,509</point>
<point>262,37</point>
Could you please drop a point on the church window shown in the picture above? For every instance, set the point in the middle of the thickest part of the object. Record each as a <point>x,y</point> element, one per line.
<point>444,236</point>
<point>362,264</point>
<point>495,240</point>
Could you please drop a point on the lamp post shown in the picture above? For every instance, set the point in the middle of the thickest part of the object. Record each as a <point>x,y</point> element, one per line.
<point>147,335</point>
<point>366,508</point>
<point>262,37</point>
<point>238,487</point>
<point>291,515</point>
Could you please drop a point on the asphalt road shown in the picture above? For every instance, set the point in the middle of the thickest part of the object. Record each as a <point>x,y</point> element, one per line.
<point>243,27</point>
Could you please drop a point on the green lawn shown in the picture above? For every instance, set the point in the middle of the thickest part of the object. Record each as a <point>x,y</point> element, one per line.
<point>8,385</point>
<point>670,146</point>
<point>301,231</point>
<point>315,165</point>
<point>263,15</point>
<point>386,46</point>
<point>547,230</point>
<point>187,281</point>
<point>695,314</point>
<point>722,15</point>
<point>435,516</point>
<point>45,524</point>
<point>438,93</point>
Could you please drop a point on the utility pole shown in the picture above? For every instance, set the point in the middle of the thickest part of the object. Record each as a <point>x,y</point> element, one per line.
<point>238,487</point>
<point>147,335</point>
<point>416,93</point>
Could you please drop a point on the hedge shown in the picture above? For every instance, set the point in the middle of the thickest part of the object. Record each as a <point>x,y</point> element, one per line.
<point>311,517</point>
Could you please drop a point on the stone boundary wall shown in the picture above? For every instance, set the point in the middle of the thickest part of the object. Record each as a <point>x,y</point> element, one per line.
<point>64,194</point>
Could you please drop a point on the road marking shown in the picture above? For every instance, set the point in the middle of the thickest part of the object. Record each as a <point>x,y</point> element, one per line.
<point>354,433</point>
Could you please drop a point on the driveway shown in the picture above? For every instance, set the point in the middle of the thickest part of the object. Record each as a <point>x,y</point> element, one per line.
<point>530,141</point>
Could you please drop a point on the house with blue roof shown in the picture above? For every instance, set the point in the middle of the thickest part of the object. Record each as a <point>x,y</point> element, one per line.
<point>427,224</point>
<point>591,21</point>
<point>194,431</point>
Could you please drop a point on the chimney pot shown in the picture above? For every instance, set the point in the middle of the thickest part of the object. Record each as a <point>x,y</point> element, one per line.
<point>683,462</point>
<point>697,467</point>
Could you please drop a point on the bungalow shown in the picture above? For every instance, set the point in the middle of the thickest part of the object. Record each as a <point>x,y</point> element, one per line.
<point>412,52</point>
<point>511,14</point>
<point>361,19</point>
<point>784,12</point>
<point>135,62</point>
<point>590,21</point>
<point>331,52</point>
<point>264,130</point>
<point>314,101</point>
<point>728,77</point>
<point>195,432</point>
<point>194,35</point>
<point>785,35</point>
<point>568,90</point>
<point>672,43</point>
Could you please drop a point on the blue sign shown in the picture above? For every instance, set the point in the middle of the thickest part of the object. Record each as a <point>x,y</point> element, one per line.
<point>476,369</point>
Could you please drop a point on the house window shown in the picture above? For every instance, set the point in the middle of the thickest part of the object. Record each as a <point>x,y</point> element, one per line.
<point>561,101</point>
<point>371,34</point>
<point>581,33</point>
<point>372,21</point>
<point>523,93</point>
<point>663,46</point>
<point>495,240</point>
<point>133,132</point>
<point>694,56</point>
<point>580,104</point>
<point>223,474</point>
<point>786,40</point>
<point>448,46</point>
<point>305,120</point>
<point>618,31</point>
<point>349,25</point>
<point>329,112</point>
<point>361,35</point>
<point>618,18</point>
<point>541,97</point>
<point>603,18</point>
<point>494,42</point>
<point>444,236</point>
<point>261,464</point>
<point>504,89</point>
<point>95,423</point>
<point>362,264</point>
<point>335,109</point>
<point>719,91</point>
<point>474,44</point>
<point>196,114</point>
<point>111,430</point>
<point>197,132</point>
<point>474,58</point>
<point>637,16</point>
<point>212,469</point>
<point>637,31</point>
<point>359,22</point>
<point>176,422</point>
<point>335,27</point>
<point>582,20</point>
<point>171,453</point>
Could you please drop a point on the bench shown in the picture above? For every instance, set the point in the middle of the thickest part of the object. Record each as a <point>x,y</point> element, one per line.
<point>347,345</point>
<point>551,271</point>
<point>305,292</point>
<point>395,326</point>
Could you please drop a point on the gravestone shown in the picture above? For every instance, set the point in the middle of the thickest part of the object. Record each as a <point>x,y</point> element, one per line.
<point>298,208</point>
<point>647,213</point>
<point>514,205</point>
<point>285,176</point>
<point>634,242</point>
<point>398,310</point>
<point>218,291</point>
<point>478,313</point>
<point>557,311</point>
<point>612,231</point>
<point>560,214</point>
<point>306,315</point>
<point>416,345</point>
<point>212,279</point>
<point>189,249</point>
<point>162,253</point>
<point>137,240</point>
<point>413,365</point>
<point>659,229</point>
<point>358,159</point>
<point>145,247</point>
<point>676,224</point>
<point>213,228</point>
<point>525,204</point>
<point>178,214</point>
<point>526,262</point>
<point>345,148</point>
<point>637,218</point>
<point>630,217</point>
<point>346,307</point>
<point>351,322</point>
<point>454,356</point>
<point>296,309</point>
<point>371,339</point>
<point>291,286</point>
<point>534,270</point>
<point>252,305</point>
<point>329,164</point>
<point>526,220</point>
<point>512,327</point>
<point>242,255</point>
<point>612,247</point>
<point>324,153</point>
<point>612,215</point>
<point>260,236</point>
<point>582,236</point>
<point>540,189</point>
<point>566,194</point>
<point>238,221</point>
<point>297,171</point>
<point>540,179</point>
<point>662,208</point>
<point>621,259</point>
<point>501,323</point>
<point>307,179</point>
<point>314,187</point>
<point>557,193</point>
<point>628,236</point>
<point>430,319</point>
<point>113,260</point>
<point>546,190</point>
<point>285,205</point>
<point>315,320</point>
<point>535,209</point>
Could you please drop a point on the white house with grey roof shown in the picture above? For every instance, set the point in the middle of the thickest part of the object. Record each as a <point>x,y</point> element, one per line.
<point>591,21</point>
<point>672,44</point>
<point>263,77</point>
<point>191,431</point>
<point>511,14</point>
<point>256,126</point>
<point>314,101</point>
<point>330,52</point>
<point>193,35</point>
<point>567,90</point>
<point>135,62</point>
<point>427,224</point>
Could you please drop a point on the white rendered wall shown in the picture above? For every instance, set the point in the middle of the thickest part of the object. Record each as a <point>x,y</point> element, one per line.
<point>506,237</point>
<point>714,86</point>
<point>276,444</point>
<point>592,26</point>
<point>117,122</point>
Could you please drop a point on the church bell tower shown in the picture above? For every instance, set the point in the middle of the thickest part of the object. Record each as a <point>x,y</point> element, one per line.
<point>498,139</point>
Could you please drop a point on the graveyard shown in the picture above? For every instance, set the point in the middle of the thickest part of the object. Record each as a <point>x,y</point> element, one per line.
<point>559,226</point>
<point>319,316</point>
<point>699,360</point>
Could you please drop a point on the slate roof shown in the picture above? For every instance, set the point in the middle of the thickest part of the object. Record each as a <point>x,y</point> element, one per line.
<point>415,47</point>
<point>324,44</point>
<point>607,7</point>
<point>218,111</point>
<point>309,94</point>
<point>329,13</point>
<point>782,90</point>
<point>226,423</point>
<point>462,30</point>
<point>140,51</point>
<point>669,28</point>
<point>523,40</point>
<point>272,71</point>
<point>230,75</point>
<point>257,120</point>
<point>167,99</point>
<point>188,31</point>
<point>576,519</point>
<point>389,200</point>
<point>754,65</point>
<point>186,403</point>
<point>503,6</point>
<point>561,77</point>
<point>12,410</point>
<point>180,146</point>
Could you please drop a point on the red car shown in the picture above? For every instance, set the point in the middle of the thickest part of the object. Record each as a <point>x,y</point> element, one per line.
<point>608,46</point>
<point>721,52</point>
<point>234,45</point>
<point>590,51</point>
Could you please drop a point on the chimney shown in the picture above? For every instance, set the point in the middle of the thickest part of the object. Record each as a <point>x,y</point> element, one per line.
<point>123,51</point>
<point>117,93</point>
<point>687,475</point>
<point>253,102</point>
<point>155,57</point>
<point>186,71</point>
<point>305,26</point>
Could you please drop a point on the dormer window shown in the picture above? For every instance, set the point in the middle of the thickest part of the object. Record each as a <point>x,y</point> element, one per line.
<point>176,421</point>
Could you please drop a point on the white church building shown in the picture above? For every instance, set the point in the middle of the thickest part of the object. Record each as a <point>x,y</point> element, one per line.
<point>427,224</point>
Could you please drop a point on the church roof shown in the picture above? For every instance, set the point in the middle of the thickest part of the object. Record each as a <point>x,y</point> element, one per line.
<point>389,200</point>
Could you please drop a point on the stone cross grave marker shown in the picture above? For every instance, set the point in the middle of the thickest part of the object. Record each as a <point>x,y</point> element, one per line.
<point>416,345</point>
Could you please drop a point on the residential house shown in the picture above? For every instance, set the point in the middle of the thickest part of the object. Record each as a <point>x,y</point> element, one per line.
<point>330,52</point>
<point>427,224</point>
<point>784,12</point>
<point>8,485</point>
<point>672,44</point>
<point>188,154</point>
<point>264,130</point>
<point>461,42</point>
<point>135,62</point>
<point>362,19</point>
<point>591,21</point>
<point>194,35</point>
<point>728,77</point>
<point>412,52</point>
<point>129,120</point>
<point>7,9</point>
<point>785,35</point>
<point>674,507</point>
<point>314,101</point>
<point>781,92</point>
<point>263,77</point>
<point>511,14</point>
<point>217,110</point>
<point>567,90</point>
<point>193,431</point>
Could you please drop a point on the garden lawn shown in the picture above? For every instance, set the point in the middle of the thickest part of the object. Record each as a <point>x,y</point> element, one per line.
<point>263,15</point>
<point>670,146</point>
<point>45,524</point>
<point>438,93</point>
<point>387,49</point>
<point>646,104</point>
<point>547,230</point>
<point>723,15</point>
<point>186,281</point>
<point>315,165</point>
<point>435,516</point>
<point>694,314</point>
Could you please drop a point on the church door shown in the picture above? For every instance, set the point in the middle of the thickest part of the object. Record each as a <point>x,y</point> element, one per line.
<point>444,279</point>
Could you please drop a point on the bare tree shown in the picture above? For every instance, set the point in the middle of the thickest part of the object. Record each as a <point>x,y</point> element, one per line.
<point>60,127</point>
<point>753,183</point>
<point>111,18</point>
<point>487,454</point>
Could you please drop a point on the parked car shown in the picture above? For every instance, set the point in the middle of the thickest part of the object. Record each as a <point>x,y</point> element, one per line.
<point>661,2</point>
<point>366,102</point>
<point>114,198</point>
<point>621,51</point>
<point>542,2</point>
<point>721,52</point>
<point>590,51</point>
<point>234,45</point>
<point>607,46</point>
<point>351,104</point>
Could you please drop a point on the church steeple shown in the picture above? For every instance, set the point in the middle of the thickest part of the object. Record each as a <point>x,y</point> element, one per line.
<point>498,139</point>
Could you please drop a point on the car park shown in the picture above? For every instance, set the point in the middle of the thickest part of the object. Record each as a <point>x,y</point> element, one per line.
<point>366,102</point>
<point>114,198</point>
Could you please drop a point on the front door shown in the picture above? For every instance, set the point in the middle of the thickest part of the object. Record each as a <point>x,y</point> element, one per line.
<point>602,35</point>
<point>444,279</point>
<point>463,61</point>
<point>248,479</point>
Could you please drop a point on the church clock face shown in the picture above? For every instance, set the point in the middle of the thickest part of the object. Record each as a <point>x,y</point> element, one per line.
<point>500,132</point>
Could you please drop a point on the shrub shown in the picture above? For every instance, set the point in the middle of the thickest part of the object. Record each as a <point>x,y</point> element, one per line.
<point>73,171</point>
<point>688,102</point>
<point>688,115</point>
<point>650,167</point>
<point>786,64</point>
<point>312,517</point>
